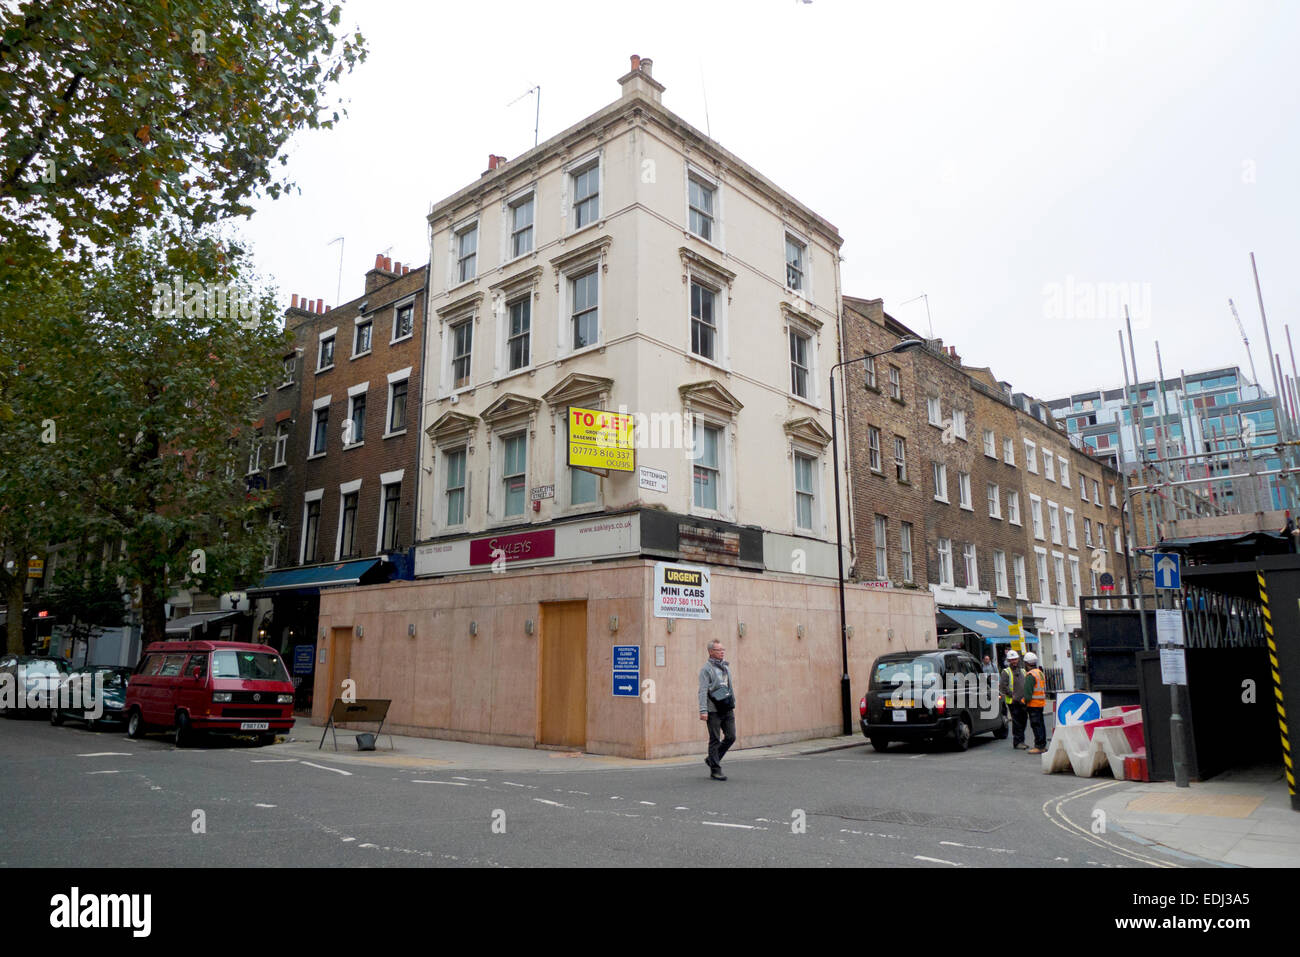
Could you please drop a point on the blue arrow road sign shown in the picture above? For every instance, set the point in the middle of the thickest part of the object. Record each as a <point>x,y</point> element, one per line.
<point>627,684</point>
<point>1167,570</point>
<point>1077,708</point>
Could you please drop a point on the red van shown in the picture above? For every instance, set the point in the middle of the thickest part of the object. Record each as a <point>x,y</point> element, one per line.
<point>219,687</point>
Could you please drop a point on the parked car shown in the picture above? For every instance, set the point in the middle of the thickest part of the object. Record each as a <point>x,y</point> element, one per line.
<point>214,687</point>
<point>74,703</point>
<point>27,682</point>
<point>929,695</point>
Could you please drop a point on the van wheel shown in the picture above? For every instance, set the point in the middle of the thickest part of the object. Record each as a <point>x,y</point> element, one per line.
<point>184,734</point>
<point>961,735</point>
<point>265,739</point>
<point>135,725</point>
<point>879,743</point>
<point>56,717</point>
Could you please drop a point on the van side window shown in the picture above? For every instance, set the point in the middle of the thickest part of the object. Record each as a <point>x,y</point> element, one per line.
<point>197,661</point>
<point>150,665</point>
<point>171,666</point>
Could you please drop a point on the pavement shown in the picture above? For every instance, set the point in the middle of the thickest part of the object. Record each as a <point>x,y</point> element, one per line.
<point>1238,819</point>
<point>415,752</point>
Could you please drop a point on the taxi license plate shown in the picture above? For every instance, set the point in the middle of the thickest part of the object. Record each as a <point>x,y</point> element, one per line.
<point>254,725</point>
<point>902,703</point>
<point>900,715</point>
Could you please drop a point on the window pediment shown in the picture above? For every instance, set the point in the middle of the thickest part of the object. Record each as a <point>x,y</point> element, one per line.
<point>510,406</point>
<point>578,386</point>
<point>695,262</point>
<point>709,395</point>
<point>463,304</point>
<point>451,426</point>
<point>808,431</point>
<point>597,249</point>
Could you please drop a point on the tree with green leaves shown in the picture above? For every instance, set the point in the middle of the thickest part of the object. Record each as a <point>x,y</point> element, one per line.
<point>115,115</point>
<point>84,601</point>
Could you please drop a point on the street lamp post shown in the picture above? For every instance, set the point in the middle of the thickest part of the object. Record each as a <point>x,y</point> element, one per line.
<point>846,695</point>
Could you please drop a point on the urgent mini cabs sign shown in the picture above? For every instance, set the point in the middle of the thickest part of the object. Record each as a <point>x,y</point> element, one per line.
<point>601,441</point>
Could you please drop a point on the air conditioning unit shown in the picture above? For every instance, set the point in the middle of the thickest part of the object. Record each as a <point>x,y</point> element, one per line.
<point>455,399</point>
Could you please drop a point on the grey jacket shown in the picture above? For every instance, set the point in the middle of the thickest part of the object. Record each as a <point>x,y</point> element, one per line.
<point>710,679</point>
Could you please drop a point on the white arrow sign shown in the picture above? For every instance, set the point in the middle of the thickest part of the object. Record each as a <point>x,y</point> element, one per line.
<point>1168,569</point>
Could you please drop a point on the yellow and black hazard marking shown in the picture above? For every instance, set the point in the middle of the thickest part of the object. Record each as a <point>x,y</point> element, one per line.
<point>1277,685</point>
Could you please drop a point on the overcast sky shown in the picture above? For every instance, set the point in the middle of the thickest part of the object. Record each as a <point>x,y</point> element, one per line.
<point>1027,166</point>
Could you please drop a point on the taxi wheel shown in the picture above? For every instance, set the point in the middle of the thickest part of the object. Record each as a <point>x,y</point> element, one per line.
<point>56,717</point>
<point>879,743</point>
<point>961,735</point>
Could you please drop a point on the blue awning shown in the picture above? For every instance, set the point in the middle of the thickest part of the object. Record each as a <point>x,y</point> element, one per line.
<point>992,627</point>
<point>315,577</point>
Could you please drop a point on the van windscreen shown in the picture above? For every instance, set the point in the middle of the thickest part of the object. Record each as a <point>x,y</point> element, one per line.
<point>253,665</point>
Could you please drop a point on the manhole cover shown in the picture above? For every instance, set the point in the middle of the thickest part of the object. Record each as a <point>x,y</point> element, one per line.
<point>881,815</point>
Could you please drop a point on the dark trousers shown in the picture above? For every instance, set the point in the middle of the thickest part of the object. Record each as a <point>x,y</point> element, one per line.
<point>722,735</point>
<point>1018,719</point>
<point>1040,729</point>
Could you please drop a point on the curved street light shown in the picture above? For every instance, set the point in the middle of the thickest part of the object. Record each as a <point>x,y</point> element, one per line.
<point>846,695</point>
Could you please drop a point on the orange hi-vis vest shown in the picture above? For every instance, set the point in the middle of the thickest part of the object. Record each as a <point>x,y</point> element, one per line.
<point>1039,700</point>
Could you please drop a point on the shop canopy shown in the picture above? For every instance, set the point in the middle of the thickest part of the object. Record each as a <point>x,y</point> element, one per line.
<point>183,626</point>
<point>321,576</point>
<point>990,626</point>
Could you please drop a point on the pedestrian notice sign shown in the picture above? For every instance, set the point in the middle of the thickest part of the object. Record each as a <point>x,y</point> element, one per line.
<point>1167,570</point>
<point>1076,707</point>
<point>1170,640</point>
<point>682,591</point>
<point>627,671</point>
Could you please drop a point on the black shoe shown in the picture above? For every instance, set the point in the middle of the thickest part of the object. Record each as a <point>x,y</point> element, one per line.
<point>717,775</point>
<point>709,762</point>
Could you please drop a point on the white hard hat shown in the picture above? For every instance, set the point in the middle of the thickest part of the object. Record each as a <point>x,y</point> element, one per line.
<point>1013,655</point>
<point>1031,658</point>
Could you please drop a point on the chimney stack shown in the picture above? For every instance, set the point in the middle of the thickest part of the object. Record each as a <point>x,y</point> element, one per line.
<point>293,303</point>
<point>638,81</point>
<point>320,306</point>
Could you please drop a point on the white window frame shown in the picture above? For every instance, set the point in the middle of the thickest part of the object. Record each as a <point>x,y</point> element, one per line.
<point>944,548</point>
<point>1111,487</point>
<point>964,492</point>
<point>798,327</point>
<point>1083,487</point>
<point>970,562</point>
<point>939,473</point>
<point>1119,539</point>
<point>906,547</point>
<point>1021,577</point>
<point>934,410</point>
<point>394,378</point>
<point>360,390</point>
<point>318,406</point>
<point>1044,581</point>
<point>281,443</point>
<point>874,461</point>
<point>1074,578</point>
<point>726,468</point>
<point>869,371</point>
<point>497,472</point>
<point>1036,516</point>
<point>346,489</point>
<point>458,232</point>
<point>1009,451</point>
<point>397,307</point>
<point>1031,456</point>
<point>714,184</point>
<point>1049,465</point>
<point>806,279</point>
<point>521,294</point>
<point>994,493</point>
<point>1063,470</point>
<point>1087,530</point>
<point>1096,493</point>
<point>721,345</point>
<point>526,195</point>
<point>1054,521</point>
<point>1071,539</point>
<point>1058,566</point>
<point>881,543</point>
<point>959,424</point>
<point>816,517</point>
<point>594,264</point>
<point>449,326</point>
<point>334,353</point>
<point>385,480</point>
<point>900,463</point>
<point>896,383</point>
<point>315,495</point>
<point>366,320</point>
<point>1000,573</point>
<point>1013,506</point>
<point>990,444</point>
<point>442,490</point>
<point>569,208</point>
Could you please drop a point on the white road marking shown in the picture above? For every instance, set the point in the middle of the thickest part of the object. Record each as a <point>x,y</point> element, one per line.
<point>459,778</point>
<point>892,837</point>
<point>263,805</point>
<point>346,839</point>
<point>274,760</point>
<point>325,768</point>
<point>747,827</point>
<point>650,803</point>
<point>680,808</point>
<point>367,845</point>
<point>1065,824</point>
<point>106,754</point>
<point>455,784</point>
<point>531,787</point>
<point>934,860</point>
<point>583,793</point>
<point>976,847</point>
<point>103,772</point>
<point>551,803</point>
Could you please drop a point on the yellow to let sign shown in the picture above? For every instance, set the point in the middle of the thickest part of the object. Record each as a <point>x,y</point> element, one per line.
<point>601,440</point>
<point>1014,629</point>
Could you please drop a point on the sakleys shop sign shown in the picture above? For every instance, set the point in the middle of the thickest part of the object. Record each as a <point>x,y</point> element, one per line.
<point>570,541</point>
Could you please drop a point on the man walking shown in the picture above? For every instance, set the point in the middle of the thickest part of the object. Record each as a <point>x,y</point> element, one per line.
<point>1035,695</point>
<point>718,707</point>
<point>1011,686</point>
<point>987,667</point>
